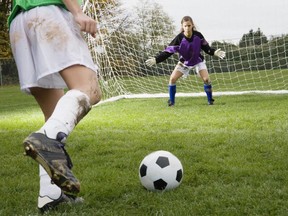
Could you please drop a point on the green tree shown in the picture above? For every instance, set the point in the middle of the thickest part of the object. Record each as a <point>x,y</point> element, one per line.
<point>5,51</point>
<point>134,34</point>
<point>253,38</point>
<point>154,27</point>
<point>153,30</point>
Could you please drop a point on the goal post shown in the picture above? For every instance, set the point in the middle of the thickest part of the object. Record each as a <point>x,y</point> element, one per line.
<point>126,39</point>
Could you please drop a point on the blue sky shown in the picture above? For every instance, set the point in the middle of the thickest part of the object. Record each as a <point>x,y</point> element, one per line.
<point>228,19</point>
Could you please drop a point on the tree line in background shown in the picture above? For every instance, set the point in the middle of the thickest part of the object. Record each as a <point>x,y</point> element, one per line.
<point>5,51</point>
<point>147,30</point>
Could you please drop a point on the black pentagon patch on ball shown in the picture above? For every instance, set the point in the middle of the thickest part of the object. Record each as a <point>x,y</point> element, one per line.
<point>160,184</point>
<point>162,161</point>
<point>143,170</point>
<point>179,175</point>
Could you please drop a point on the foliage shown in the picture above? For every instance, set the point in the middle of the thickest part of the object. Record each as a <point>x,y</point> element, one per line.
<point>124,38</point>
<point>253,39</point>
<point>254,52</point>
<point>9,73</point>
<point>154,26</point>
<point>128,38</point>
<point>153,30</point>
<point>5,51</point>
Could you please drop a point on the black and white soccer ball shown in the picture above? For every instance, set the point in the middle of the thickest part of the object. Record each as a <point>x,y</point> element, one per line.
<point>160,171</point>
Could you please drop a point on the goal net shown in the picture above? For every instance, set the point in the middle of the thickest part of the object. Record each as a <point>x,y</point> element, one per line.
<point>128,37</point>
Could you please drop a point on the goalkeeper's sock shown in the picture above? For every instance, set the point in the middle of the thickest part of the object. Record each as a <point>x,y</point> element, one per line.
<point>70,109</point>
<point>172,92</point>
<point>208,91</point>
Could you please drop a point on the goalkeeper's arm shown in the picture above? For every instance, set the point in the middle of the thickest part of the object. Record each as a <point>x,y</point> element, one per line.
<point>210,51</point>
<point>162,56</point>
<point>219,53</point>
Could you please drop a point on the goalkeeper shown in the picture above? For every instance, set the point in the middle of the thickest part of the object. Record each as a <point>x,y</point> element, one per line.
<point>188,44</point>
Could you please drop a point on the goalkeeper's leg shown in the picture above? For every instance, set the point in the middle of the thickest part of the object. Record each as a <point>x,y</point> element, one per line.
<point>207,85</point>
<point>208,91</point>
<point>176,74</point>
<point>172,93</point>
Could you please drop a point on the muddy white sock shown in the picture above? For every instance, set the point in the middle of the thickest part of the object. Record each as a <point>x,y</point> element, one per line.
<point>47,188</point>
<point>70,109</point>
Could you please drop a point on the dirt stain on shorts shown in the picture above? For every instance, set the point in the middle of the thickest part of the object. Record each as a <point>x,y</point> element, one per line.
<point>50,32</point>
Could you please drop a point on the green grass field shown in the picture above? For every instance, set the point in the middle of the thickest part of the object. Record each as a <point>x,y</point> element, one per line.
<point>222,82</point>
<point>240,81</point>
<point>234,156</point>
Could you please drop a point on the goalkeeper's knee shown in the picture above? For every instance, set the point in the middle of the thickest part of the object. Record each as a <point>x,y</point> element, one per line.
<point>207,81</point>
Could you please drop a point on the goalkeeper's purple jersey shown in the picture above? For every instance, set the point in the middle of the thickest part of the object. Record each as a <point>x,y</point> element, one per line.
<point>189,49</point>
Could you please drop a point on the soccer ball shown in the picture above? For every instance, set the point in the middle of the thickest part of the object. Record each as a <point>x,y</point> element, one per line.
<point>160,171</point>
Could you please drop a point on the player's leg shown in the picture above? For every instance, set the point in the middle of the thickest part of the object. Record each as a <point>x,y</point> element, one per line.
<point>207,85</point>
<point>201,70</point>
<point>70,109</point>
<point>47,99</point>
<point>67,48</point>
<point>83,92</point>
<point>49,193</point>
<point>176,74</point>
<point>83,79</point>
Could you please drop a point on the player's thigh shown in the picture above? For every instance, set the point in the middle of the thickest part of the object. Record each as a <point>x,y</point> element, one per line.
<point>176,74</point>
<point>47,99</point>
<point>204,75</point>
<point>83,79</point>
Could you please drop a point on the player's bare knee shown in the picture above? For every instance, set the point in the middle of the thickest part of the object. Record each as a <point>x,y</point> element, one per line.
<point>172,80</point>
<point>96,96</point>
<point>206,80</point>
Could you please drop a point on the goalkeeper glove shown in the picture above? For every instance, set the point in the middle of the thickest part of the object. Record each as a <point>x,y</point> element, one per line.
<point>219,53</point>
<point>150,62</point>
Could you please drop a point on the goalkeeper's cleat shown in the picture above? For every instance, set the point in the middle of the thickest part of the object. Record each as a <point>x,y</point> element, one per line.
<point>53,157</point>
<point>45,203</point>
<point>170,103</point>
<point>211,102</point>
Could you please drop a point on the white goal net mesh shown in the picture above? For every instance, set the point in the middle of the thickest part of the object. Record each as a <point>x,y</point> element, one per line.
<point>127,38</point>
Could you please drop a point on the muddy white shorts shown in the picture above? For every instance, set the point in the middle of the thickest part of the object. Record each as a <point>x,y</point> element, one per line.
<point>186,69</point>
<point>44,41</point>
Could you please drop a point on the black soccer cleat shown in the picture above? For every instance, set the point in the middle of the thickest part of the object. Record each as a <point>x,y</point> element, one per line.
<point>45,203</point>
<point>53,157</point>
<point>211,102</point>
<point>170,103</point>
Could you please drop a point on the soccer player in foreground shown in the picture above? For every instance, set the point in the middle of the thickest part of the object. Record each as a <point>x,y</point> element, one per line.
<point>188,43</point>
<point>50,55</point>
